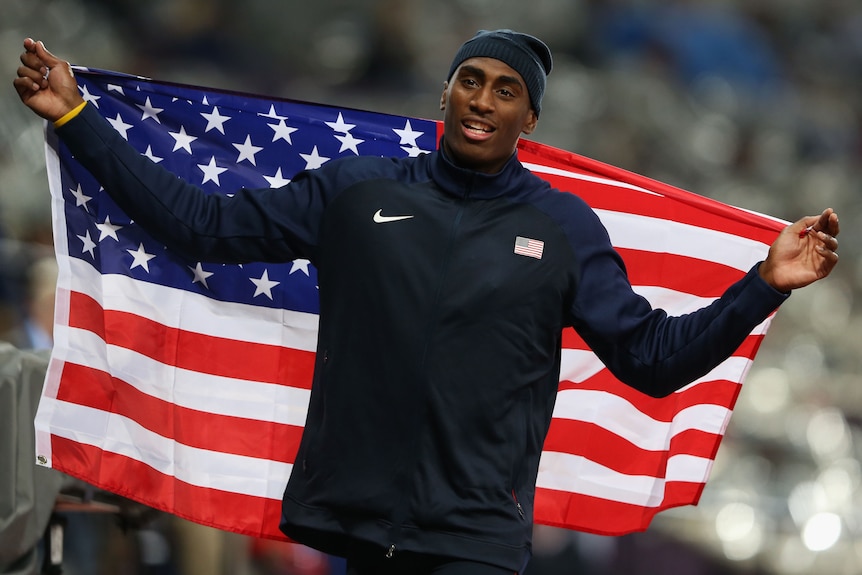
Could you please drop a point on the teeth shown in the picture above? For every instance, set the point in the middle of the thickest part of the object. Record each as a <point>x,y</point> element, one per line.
<point>477,128</point>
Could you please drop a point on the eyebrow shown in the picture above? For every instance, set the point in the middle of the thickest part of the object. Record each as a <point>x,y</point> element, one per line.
<point>481,74</point>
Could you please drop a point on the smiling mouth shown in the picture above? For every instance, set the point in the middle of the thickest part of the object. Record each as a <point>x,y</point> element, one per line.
<point>477,128</point>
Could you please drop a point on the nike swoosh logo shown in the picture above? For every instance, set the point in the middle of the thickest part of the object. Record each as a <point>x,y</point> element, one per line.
<point>381,219</point>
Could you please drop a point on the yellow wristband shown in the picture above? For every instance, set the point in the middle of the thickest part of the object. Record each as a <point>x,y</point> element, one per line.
<point>70,114</point>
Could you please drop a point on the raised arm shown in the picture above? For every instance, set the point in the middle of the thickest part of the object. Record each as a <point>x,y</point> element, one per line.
<point>248,225</point>
<point>45,83</point>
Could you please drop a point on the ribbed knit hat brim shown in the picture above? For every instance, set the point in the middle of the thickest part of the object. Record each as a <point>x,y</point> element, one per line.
<point>525,54</point>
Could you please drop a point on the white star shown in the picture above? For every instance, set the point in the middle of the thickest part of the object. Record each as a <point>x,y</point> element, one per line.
<point>300,265</point>
<point>282,132</point>
<point>408,135</point>
<point>413,151</point>
<point>215,121</point>
<point>106,229</point>
<point>200,275</point>
<point>81,199</point>
<point>140,257</point>
<point>247,151</point>
<point>89,245</point>
<point>149,153</point>
<point>272,114</point>
<point>340,126</point>
<point>263,285</point>
<point>211,171</point>
<point>314,160</point>
<point>183,140</point>
<point>88,97</point>
<point>348,142</point>
<point>149,111</point>
<point>120,126</point>
<point>116,88</point>
<point>277,180</point>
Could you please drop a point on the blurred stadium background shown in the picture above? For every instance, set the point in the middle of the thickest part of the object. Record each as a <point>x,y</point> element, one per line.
<point>756,103</point>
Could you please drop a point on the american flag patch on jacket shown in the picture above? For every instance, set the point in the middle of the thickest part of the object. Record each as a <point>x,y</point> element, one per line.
<point>529,247</point>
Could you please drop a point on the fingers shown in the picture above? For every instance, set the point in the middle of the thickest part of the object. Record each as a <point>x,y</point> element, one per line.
<point>30,77</point>
<point>827,229</point>
<point>829,222</point>
<point>37,63</point>
<point>826,222</point>
<point>828,241</point>
<point>32,74</point>
<point>38,48</point>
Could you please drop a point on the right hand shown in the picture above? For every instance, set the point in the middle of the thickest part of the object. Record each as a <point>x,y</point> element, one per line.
<point>45,83</point>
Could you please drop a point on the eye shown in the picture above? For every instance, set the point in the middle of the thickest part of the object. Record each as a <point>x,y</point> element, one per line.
<point>470,82</point>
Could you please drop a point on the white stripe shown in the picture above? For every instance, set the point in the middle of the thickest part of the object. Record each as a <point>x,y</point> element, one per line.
<point>623,419</point>
<point>573,473</point>
<point>578,365</point>
<point>658,235</point>
<point>209,393</point>
<point>680,303</point>
<point>540,169</point>
<point>193,312</point>
<point>731,369</point>
<point>200,467</point>
<point>44,411</point>
<point>734,368</point>
<point>672,301</point>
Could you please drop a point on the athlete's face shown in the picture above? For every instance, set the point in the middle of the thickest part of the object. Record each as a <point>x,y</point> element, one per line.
<point>486,109</point>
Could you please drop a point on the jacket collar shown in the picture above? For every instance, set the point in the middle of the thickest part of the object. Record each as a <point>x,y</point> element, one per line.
<point>465,183</point>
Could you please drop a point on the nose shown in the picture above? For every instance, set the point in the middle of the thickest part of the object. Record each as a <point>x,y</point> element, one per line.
<point>482,100</point>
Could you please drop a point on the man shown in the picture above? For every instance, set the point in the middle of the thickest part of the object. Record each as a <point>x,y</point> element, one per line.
<point>438,357</point>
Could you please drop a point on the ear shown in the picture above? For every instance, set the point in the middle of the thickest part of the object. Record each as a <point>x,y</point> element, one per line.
<point>443,95</point>
<point>530,123</point>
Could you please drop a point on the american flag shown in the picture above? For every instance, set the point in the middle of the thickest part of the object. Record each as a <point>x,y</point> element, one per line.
<point>529,247</point>
<point>184,384</point>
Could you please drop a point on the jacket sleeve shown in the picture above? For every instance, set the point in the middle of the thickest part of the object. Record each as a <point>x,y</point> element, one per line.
<point>250,225</point>
<point>644,347</point>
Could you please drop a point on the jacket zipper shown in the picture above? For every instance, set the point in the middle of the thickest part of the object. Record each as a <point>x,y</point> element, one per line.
<point>517,506</point>
<point>399,516</point>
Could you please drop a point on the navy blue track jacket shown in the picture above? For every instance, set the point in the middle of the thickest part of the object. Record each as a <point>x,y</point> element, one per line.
<point>439,344</point>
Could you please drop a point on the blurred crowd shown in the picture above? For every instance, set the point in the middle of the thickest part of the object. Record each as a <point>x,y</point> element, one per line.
<point>756,103</point>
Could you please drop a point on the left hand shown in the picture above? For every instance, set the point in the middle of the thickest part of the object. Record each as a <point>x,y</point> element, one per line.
<point>798,258</point>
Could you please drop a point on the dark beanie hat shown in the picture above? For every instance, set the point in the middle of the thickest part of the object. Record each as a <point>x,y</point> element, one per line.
<point>525,54</point>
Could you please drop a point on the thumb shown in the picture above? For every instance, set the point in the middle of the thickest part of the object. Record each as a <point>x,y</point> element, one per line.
<point>47,58</point>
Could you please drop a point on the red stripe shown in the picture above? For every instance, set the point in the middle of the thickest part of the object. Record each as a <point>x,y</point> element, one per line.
<point>612,451</point>
<point>240,436</point>
<point>719,392</point>
<point>604,516</point>
<point>246,514</point>
<point>680,273</point>
<point>192,351</point>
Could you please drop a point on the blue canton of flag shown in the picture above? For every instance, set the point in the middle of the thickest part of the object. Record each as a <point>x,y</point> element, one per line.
<point>220,141</point>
